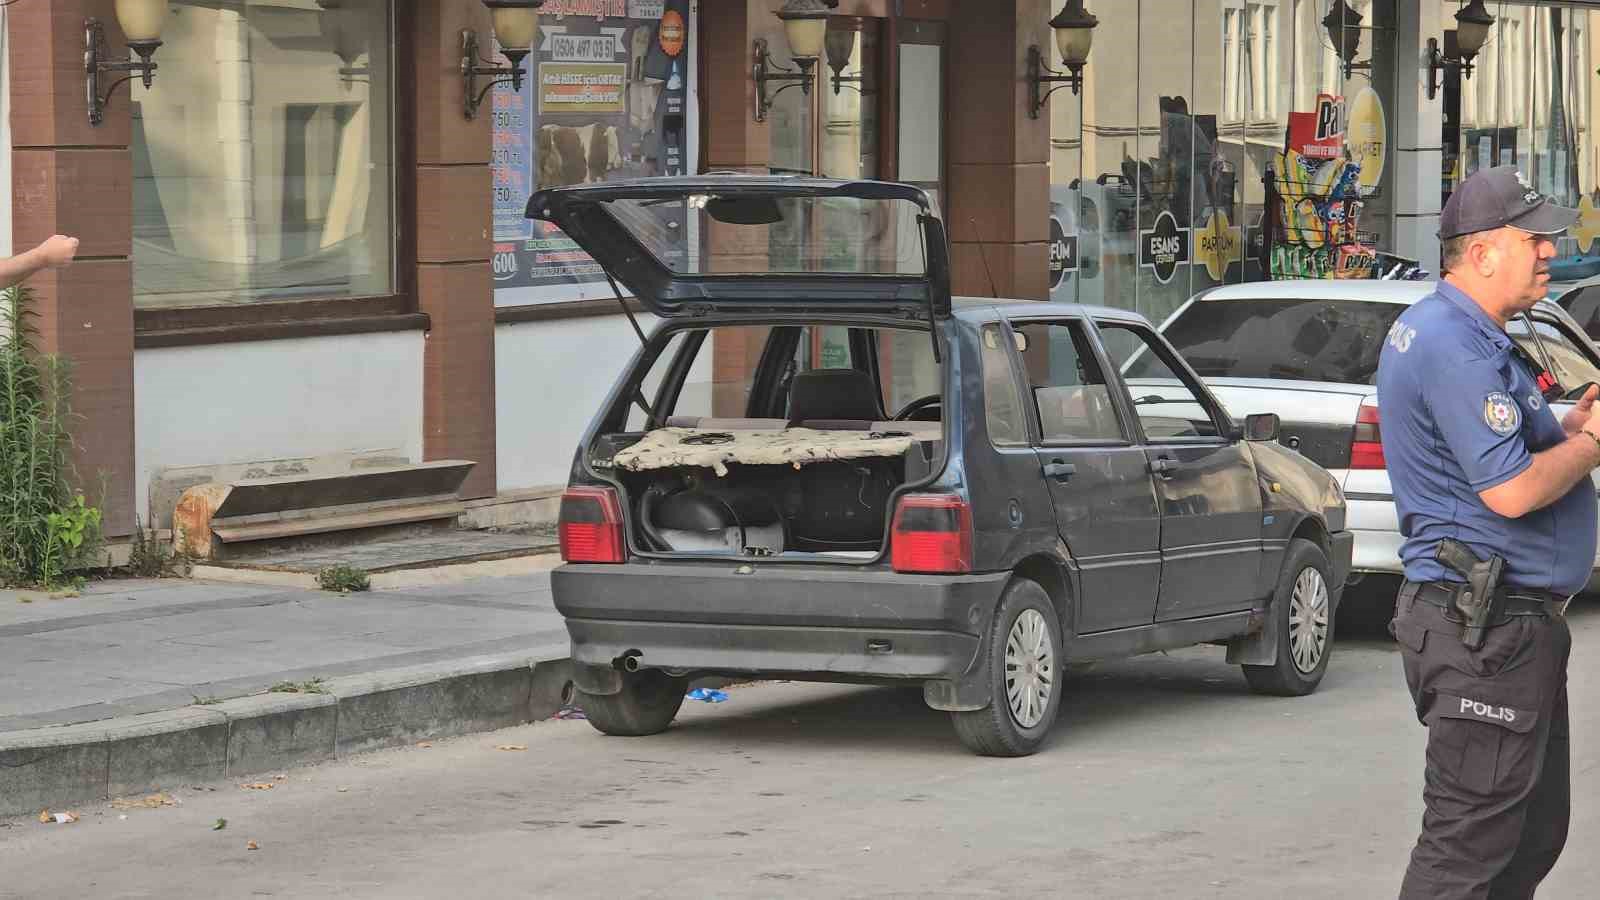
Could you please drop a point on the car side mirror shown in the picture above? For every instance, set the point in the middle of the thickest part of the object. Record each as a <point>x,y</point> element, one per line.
<point>1261,427</point>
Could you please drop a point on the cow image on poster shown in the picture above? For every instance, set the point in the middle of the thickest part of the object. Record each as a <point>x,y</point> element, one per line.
<point>577,154</point>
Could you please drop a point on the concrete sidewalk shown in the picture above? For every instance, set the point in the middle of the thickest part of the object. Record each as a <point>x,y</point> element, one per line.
<point>144,684</point>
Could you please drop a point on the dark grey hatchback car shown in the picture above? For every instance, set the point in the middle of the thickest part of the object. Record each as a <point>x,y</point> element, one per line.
<point>818,466</point>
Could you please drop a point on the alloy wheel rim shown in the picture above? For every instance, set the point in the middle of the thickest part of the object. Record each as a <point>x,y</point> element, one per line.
<point>1308,620</point>
<point>1030,669</point>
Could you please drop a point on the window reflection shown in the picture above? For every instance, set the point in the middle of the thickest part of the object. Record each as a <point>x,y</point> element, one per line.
<point>262,157</point>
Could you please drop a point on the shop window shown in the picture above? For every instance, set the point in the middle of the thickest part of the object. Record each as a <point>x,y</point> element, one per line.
<point>264,156</point>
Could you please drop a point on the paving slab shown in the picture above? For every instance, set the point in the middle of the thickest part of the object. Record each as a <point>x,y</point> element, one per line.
<point>135,684</point>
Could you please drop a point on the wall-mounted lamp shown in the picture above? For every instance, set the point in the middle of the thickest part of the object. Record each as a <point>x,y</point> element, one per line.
<point>342,27</point>
<point>1344,30</point>
<point>839,45</point>
<point>1074,31</point>
<point>141,22</point>
<point>805,23</point>
<point>516,24</point>
<point>1472,32</point>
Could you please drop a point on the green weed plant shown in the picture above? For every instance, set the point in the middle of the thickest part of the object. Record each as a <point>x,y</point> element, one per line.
<point>47,529</point>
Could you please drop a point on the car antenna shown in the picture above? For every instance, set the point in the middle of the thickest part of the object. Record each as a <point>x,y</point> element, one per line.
<point>984,255</point>
<point>638,393</point>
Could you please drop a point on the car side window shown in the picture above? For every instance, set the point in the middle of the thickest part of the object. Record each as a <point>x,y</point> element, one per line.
<point>1002,404</point>
<point>1067,385</point>
<point>1168,403</point>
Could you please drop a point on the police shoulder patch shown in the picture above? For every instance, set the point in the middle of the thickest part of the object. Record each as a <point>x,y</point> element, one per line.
<point>1501,413</point>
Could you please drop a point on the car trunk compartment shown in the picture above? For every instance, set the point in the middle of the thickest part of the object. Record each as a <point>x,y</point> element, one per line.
<point>798,501</point>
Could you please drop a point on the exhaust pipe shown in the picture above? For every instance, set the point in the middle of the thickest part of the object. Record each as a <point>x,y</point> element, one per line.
<point>630,661</point>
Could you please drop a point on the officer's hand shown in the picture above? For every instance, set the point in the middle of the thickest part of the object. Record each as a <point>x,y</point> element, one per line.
<point>1582,411</point>
<point>58,250</point>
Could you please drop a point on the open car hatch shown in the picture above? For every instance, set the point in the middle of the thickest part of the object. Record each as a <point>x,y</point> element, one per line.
<point>760,244</point>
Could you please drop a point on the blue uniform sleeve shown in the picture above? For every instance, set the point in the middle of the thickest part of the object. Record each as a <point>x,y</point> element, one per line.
<point>1476,411</point>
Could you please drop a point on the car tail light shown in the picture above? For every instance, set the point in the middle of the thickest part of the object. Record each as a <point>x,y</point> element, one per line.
<point>1366,444</point>
<point>932,533</point>
<point>591,526</point>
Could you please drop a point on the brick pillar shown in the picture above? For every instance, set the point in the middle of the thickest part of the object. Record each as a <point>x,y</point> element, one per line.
<point>735,141</point>
<point>73,178</point>
<point>999,157</point>
<point>454,235</point>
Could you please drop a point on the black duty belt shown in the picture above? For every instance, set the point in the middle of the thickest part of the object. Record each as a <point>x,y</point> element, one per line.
<point>1514,601</point>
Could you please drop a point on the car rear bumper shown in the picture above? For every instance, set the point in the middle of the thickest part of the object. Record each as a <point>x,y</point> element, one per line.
<point>1376,527</point>
<point>775,619</point>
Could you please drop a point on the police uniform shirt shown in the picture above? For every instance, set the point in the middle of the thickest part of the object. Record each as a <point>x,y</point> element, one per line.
<point>1460,414</point>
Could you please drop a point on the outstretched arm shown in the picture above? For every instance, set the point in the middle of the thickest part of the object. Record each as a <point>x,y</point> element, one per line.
<point>56,251</point>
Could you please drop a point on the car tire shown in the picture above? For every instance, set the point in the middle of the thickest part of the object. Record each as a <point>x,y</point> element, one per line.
<point>1304,604</point>
<point>1026,685</point>
<point>647,704</point>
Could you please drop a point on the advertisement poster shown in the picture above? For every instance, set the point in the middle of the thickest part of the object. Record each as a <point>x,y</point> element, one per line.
<point>1318,184</point>
<point>606,98</point>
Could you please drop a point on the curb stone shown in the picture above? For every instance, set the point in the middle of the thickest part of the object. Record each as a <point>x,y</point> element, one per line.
<point>95,761</point>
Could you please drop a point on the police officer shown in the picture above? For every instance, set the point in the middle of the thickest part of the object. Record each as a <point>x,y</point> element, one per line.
<point>1475,455</point>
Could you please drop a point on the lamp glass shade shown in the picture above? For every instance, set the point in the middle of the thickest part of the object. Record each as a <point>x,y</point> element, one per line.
<point>805,36</point>
<point>141,20</point>
<point>1073,44</point>
<point>1470,38</point>
<point>514,27</point>
<point>1344,30</point>
<point>1472,28</point>
<point>841,45</point>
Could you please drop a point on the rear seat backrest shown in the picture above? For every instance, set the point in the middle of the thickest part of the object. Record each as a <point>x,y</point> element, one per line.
<point>839,397</point>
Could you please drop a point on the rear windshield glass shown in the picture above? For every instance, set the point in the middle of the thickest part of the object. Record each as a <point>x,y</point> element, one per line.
<point>1297,340</point>
<point>708,235</point>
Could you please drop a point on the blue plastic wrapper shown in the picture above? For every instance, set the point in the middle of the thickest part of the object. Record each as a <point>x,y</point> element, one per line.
<point>706,695</point>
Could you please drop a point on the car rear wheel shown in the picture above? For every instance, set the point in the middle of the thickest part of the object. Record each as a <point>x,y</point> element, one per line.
<point>1303,604</point>
<point>1024,658</point>
<point>647,704</point>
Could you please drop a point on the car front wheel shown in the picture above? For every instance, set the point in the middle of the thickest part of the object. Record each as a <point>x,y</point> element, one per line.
<point>647,704</point>
<point>1303,603</point>
<point>1024,658</point>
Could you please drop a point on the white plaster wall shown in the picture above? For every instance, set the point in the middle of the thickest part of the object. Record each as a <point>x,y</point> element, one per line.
<point>550,378</point>
<point>250,402</point>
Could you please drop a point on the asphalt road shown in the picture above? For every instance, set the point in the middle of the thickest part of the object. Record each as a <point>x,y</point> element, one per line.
<point>1166,778</point>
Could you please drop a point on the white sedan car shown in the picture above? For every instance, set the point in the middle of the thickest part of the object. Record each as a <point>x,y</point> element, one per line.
<point>1308,351</point>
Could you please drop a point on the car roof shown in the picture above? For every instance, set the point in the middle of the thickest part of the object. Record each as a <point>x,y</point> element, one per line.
<point>986,308</point>
<point>1403,293</point>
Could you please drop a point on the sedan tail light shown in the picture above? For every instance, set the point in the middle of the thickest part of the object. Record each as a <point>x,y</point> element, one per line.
<point>932,533</point>
<point>591,526</point>
<point>1366,443</point>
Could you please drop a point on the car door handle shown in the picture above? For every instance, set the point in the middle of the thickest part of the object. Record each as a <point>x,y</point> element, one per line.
<point>1057,469</point>
<point>1163,466</point>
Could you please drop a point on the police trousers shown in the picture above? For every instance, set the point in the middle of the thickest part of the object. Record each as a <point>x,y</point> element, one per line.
<point>1497,788</point>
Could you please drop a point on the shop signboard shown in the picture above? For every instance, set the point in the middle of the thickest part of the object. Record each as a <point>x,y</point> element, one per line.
<point>1367,139</point>
<point>1164,247</point>
<point>1320,134</point>
<point>606,97</point>
<point>1063,253</point>
<point>1218,245</point>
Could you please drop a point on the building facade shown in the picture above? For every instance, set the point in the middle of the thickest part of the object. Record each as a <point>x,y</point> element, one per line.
<point>301,254</point>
